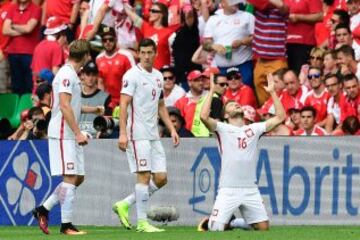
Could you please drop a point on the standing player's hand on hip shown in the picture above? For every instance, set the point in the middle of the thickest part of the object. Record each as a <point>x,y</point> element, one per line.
<point>175,138</point>
<point>123,142</point>
<point>81,139</point>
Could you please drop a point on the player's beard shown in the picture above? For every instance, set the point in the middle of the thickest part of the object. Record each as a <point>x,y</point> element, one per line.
<point>236,114</point>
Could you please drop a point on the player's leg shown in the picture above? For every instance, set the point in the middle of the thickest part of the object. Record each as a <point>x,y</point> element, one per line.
<point>41,213</point>
<point>253,209</point>
<point>74,172</point>
<point>225,205</point>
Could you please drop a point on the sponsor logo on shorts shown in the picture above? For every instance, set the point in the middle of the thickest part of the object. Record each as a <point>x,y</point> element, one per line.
<point>70,166</point>
<point>143,162</point>
<point>215,212</point>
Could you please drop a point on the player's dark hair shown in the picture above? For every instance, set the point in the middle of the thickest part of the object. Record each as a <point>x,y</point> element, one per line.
<point>147,42</point>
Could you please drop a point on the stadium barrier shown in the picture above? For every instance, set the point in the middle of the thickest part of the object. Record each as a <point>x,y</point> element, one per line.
<point>303,180</point>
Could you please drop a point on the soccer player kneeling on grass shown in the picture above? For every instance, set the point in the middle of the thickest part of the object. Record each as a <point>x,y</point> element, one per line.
<point>238,147</point>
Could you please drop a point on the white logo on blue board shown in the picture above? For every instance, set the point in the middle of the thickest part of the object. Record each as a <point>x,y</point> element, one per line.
<point>206,171</point>
<point>27,181</point>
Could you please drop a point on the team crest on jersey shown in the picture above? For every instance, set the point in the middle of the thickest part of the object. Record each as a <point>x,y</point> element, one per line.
<point>249,132</point>
<point>125,84</point>
<point>66,82</point>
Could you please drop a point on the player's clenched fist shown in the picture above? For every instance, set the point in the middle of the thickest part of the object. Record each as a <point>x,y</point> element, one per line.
<point>81,139</point>
<point>123,142</point>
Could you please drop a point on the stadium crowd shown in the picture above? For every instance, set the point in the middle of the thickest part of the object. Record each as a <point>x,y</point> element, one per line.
<point>312,48</point>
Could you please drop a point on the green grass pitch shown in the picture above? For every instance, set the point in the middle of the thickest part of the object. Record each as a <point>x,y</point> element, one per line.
<point>188,233</point>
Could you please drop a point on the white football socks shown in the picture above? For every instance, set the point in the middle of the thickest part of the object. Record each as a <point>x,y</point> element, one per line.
<point>152,188</point>
<point>53,199</point>
<point>67,203</point>
<point>142,200</point>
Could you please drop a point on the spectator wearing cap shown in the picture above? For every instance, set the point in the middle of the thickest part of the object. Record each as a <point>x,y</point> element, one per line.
<point>45,75</point>
<point>190,105</point>
<point>269,43</point>
<point>237,91</point>
<point>112,65</point>
<point>308,125</point>
<point>318,96</point>
<point>178,122</point>
<point>294,94</point>
<point>220,85</point>
<point>172,92</point>
<point>110,13</point>
<point>206,76</point>
<point>22,24</point>
<point>338,107</point>
<point>184,43</point>
<point>229,33</point>
<point>66,11</point>
<point>49,53</point>
<point>156,28</point>
<point>91,96</point>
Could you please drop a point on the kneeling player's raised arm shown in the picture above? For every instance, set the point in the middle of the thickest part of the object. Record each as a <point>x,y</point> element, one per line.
<point>209,122</point>
<point>279,108</point>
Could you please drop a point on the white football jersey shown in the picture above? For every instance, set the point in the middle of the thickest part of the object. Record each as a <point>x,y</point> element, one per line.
<point>146,90</point>
<point>238,148</point>
<point>65,81</point>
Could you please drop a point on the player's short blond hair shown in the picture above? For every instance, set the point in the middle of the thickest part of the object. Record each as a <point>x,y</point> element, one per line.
<point>78,49</point>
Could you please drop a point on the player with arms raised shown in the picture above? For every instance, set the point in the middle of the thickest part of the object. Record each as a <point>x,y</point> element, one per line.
<point>140,105</point>
<point>238,148</point>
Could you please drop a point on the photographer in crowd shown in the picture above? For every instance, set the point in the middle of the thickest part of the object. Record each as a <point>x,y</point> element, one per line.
<point>35,127</point>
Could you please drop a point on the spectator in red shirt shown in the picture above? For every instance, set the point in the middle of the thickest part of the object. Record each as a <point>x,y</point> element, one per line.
<point>112,65</point>
<point>66,10</point>
<point>241,93</point>
<point>352,89</point>
<point>22,25</point>
<point>157,29</point>
<point>318,96</point>
<point>307,123</point>
<point>49,54</point>
<point>188,104</point>
<point>301,30</point>
<point>338,107</point>
<point>350,126</point>
<point>4,7</point>
<point>293,96</point>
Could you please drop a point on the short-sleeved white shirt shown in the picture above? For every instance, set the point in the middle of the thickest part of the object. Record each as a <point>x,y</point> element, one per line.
<point>224,29</point>
<point>146,90</point>
<point>238,149</point>
<point>177,93</point>
<point>65,81</point>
